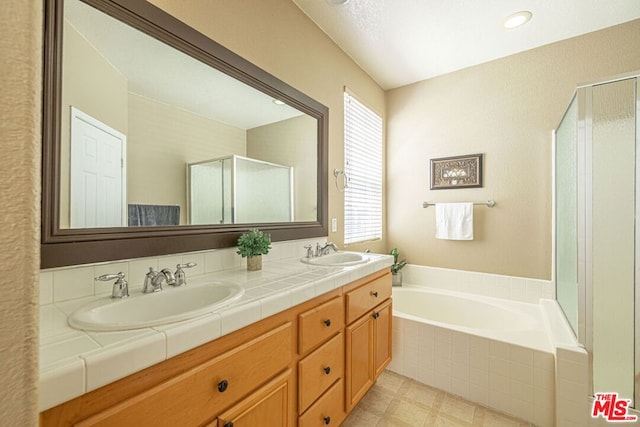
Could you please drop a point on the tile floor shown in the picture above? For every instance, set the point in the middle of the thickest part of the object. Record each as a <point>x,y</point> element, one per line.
<point>399,401</point>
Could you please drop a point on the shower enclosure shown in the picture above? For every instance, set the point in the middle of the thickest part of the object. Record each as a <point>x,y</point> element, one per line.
<point>597,232</point>
<point>239,190</point>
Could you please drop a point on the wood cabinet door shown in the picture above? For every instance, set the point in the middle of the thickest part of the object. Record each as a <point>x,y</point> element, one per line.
<point>382,327</point>
<point>268,406</point>
<point>359,360</point>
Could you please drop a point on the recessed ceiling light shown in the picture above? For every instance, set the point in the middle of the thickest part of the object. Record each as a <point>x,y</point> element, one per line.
<point>517,19</point>
<point>277,101</point>
<point>337,2</point>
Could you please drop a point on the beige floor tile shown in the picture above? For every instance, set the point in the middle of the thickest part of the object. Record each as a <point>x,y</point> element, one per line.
<point>421,394</point>
<point>458,408</point>
<point>397,401</point>
<point>407,412</point>
<point>361,418</point>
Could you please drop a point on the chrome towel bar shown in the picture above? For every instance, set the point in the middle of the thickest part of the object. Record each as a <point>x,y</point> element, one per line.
<point>488,203</point>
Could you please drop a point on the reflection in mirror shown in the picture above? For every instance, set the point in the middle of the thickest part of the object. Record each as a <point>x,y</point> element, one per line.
<point>143,95</point>
<point>135,113</point>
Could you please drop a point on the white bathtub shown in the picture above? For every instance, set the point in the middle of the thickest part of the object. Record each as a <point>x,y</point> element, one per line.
<point>493,352</point>
<point>503,320</point>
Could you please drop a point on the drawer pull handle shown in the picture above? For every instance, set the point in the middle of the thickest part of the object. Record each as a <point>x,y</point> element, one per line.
<point>327,370</point>
<point>327,420</point>
<point>375,294</point>
<point>375,315</point>
<point>327,322</point>
<point>229,424</point>
<point>222,387</point>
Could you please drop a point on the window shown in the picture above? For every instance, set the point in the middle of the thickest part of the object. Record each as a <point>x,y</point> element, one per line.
<point>363,167</point>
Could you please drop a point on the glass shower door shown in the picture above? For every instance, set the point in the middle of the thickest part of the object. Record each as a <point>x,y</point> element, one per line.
<point>566,195</point>
<point>613,245</point>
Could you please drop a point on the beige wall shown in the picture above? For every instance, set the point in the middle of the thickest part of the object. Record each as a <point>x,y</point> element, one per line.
<point>506,109</point>
<point>162,140</point>
<point>83,66</point>
<point>20,106</point>
<point>291,142</point>
<point>276,36</point>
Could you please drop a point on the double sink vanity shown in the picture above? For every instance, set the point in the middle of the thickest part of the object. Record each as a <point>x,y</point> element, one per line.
<point>298,343</point>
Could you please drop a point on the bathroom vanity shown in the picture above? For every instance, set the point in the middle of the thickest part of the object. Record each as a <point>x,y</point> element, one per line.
<point>307,365</point>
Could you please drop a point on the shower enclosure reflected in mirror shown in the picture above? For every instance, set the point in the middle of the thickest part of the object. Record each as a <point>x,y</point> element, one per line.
<point>598,230</point>
<point>237,189</point>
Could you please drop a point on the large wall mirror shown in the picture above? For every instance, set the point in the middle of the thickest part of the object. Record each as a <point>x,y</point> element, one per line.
<point>158,140</point>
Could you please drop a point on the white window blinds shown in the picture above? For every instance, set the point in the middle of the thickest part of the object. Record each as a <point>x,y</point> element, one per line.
<point>363,167</point>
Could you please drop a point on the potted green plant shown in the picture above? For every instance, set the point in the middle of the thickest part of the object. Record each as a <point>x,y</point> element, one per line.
<point>252,245</point>
<point>396,274</point>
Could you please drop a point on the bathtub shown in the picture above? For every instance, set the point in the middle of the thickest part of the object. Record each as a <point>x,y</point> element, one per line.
<point>494,352</point>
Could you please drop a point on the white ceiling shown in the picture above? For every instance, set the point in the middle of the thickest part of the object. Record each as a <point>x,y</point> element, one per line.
<point>398,42</point>
<point>157,71</point>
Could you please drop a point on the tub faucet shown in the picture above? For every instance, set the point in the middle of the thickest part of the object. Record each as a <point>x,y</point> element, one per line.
<point>153,280</point>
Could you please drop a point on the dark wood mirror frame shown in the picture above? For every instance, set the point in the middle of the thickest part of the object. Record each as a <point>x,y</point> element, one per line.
<point>63,247</point>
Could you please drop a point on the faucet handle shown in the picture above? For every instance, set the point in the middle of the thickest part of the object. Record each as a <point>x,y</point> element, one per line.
<point>107,277</point>
<point>187,265</point>
<point>309,249</point>
<point>120,286</point>
<point>181,277</point>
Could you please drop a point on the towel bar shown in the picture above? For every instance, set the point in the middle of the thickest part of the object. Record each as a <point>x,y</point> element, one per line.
<point>488,203</point>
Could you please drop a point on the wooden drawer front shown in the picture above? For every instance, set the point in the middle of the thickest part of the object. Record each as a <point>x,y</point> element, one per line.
<point>268,406</point>
<point>202,392</point>
<point>318,324</point>
<point>327,411</point>
<point>319,370</point>
<point>364,298</point>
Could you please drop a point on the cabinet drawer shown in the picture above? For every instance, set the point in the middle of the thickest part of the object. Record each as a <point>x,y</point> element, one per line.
<point>327,411</point>
<point>319,370</point>
<point>364,298</point>
<point>318,324</point>
<point>200,393</point>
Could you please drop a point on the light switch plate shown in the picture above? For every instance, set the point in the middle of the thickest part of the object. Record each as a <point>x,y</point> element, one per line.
<point>334,225</point>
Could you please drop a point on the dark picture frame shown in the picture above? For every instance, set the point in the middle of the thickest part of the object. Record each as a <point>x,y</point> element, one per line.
<point>457,172</point>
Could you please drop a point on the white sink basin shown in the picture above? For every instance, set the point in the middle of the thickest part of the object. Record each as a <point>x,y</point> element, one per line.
<point>145,310</point>
<point>337,259</point>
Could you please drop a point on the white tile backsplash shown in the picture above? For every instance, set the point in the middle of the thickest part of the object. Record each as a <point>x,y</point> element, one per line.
<point>46,287</point>
<point>73,283</point>
<point>66,283</point>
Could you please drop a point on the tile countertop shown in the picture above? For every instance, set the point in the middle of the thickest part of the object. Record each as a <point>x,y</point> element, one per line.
<point>74,362</point>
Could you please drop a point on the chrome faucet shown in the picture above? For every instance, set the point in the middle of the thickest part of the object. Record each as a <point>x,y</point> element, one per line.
<point>320,250</point>
<point>323,250</point>
<point>120,286</point>
<point>153,280</point>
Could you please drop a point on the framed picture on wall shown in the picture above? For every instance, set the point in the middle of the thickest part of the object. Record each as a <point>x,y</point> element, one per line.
<point>456,172</point>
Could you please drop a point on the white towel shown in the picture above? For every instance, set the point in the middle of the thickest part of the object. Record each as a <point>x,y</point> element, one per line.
<point>454,221</point>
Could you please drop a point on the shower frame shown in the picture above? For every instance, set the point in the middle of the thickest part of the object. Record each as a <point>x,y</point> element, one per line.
<point>584,330</point>
<point>233,184</point>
